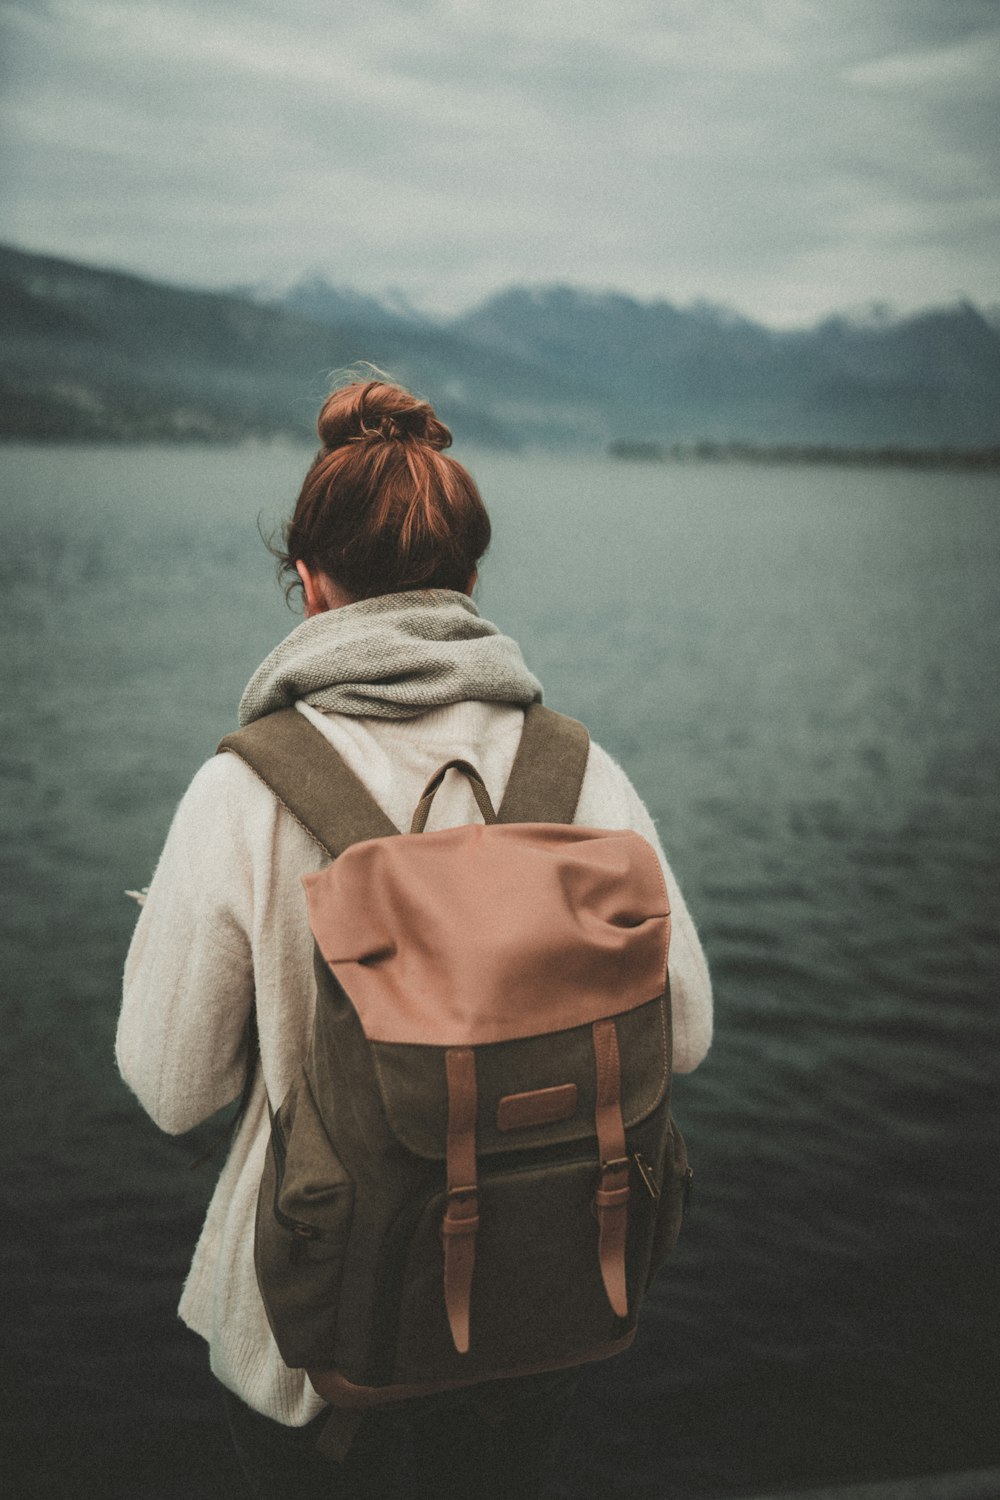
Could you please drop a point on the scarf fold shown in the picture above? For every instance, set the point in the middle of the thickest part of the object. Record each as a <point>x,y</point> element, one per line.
<point>392,657</point>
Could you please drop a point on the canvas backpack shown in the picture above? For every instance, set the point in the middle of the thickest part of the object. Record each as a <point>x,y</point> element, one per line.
<point>476,1174</point>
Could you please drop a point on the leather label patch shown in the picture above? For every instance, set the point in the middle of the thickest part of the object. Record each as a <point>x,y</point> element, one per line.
<point>539,1107</point>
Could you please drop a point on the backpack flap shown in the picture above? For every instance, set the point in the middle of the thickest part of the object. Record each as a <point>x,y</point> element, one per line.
<point>476,934</point>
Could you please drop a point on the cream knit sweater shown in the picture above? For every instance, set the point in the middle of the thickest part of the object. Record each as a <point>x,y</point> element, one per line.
<point>225,922</point>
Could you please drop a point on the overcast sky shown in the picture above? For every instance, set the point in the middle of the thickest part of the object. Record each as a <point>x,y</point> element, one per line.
<point>782,157</point>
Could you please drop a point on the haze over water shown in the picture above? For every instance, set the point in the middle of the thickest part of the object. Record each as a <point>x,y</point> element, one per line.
<point>797,668</point>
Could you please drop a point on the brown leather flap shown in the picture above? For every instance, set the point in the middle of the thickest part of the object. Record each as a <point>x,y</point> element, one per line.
<point>477,934</point>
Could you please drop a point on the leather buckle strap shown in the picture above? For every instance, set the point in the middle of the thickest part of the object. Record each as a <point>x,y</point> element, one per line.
<point>612,1196</point>
<point>614,1186</point>
<point>461,1216</point>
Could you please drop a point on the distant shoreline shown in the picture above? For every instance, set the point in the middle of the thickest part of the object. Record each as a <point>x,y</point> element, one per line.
<point>707,451</point>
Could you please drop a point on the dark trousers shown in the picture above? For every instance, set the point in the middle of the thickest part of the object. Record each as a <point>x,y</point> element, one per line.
<point>492,1443</point>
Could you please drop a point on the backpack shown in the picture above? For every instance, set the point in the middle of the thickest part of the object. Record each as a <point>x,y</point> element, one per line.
<point>476,1174</point>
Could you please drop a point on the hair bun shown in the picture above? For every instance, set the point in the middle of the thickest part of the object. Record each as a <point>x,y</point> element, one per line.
<point>373,410</point>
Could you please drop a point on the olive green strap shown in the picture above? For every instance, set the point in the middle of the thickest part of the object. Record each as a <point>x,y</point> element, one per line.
<point>310,779</point>
<point>548,770</point>
<point>314,783</point>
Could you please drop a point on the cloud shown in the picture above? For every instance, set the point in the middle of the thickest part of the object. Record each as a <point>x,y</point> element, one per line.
<point>783,156</point>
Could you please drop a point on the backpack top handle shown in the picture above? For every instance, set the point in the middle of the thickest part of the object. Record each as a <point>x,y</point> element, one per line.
<point>482,796</point>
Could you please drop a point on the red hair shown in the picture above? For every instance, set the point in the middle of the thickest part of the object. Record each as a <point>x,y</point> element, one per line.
<point>382,509</point>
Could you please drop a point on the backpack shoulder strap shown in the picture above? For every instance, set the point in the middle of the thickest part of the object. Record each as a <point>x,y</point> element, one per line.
<point>548,770</point>
<point>310,780</point>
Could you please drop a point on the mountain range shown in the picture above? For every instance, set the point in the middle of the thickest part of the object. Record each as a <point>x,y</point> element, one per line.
<point>104,355</point>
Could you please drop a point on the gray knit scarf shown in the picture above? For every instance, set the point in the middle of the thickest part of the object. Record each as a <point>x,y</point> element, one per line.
<point>392,658</point>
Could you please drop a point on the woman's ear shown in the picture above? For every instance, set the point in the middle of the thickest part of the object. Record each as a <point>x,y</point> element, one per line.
<point>312,588</point>
<point>320,591</point>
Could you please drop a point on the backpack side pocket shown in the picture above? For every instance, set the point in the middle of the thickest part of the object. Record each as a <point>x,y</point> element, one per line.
<point>304,1212</point>
<point>675,1191</point>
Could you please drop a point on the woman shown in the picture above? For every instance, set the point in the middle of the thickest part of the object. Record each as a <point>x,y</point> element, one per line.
<point>395,667</point>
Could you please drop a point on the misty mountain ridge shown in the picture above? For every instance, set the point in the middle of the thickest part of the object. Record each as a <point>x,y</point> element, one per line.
<point>315,296</point>
<point>93,353</point>
<point>327,301</point>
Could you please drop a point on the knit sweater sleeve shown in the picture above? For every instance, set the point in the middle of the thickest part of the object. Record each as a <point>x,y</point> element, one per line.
<point>188,987</point>
<point>609,800</point>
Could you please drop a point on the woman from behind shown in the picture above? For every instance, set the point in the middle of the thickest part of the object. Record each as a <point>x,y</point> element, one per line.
<point>394,666</point>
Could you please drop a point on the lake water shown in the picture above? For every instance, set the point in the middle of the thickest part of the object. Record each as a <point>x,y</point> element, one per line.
<point>797,666</point>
